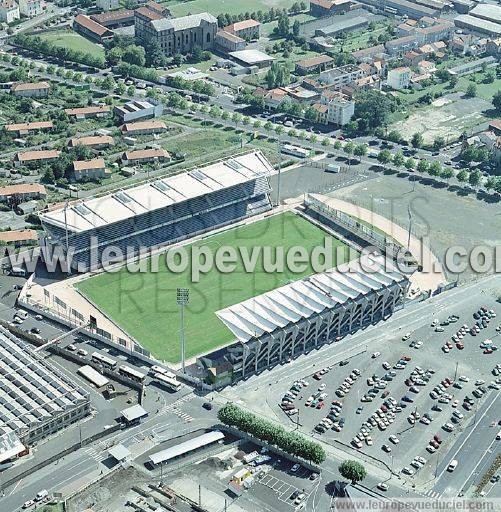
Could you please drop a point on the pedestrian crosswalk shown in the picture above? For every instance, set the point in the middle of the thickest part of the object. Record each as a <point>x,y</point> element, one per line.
<point>430,493</point>
<point>174,407</point>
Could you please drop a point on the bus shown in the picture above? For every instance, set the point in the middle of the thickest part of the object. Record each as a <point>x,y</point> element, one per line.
<point>132,374</point>
<point>160,369</point>
<point>168,381</point>
<point>297,151</point>
<point>104,360</point>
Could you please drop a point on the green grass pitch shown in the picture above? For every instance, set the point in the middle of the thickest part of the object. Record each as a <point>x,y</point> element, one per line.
<point>144,304</point>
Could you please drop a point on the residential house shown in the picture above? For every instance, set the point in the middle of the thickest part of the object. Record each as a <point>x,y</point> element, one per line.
<point>412,57</point>
<point>26,128</point>
<point>301,94</point>
<point>19,238</point>
<point>368,54</point>
<point>399,78</point>
<point>144,127</point>
<point>93,142</point>
<point>80,113</point>
<point>343,75</point>
<point>91,29</point>
<point>108,5</point>
<point>426,67</point>
<point>38,157</point>
<point>138,109</point>
<point>114,19</point>
<point>9,11</point>
<point>22,192</point>
<point>31,8</point>
<point>143,156</point>
<point>227,42</point>
<point>31,89</point>
<point>89,169</point>
<point>314,64</point>
<point>321,111</point>
<point>493,47</point>
<point>321,8</point>
<point>273,97</point>
<point>402,44</point>
<point>178,35</point>
<point>246,29</point>
<point>495,126</point>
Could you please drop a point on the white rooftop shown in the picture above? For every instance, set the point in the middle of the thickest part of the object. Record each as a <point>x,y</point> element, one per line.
<point>309,296</point>
<point>251,56</point>
<point>187,446</point>
<point>154,195</point>
<point>184,22</point>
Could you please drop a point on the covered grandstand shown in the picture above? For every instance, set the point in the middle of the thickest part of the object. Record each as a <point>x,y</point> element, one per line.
<point>301,316</point>
<point>160,212</point>
<point>36,400</point>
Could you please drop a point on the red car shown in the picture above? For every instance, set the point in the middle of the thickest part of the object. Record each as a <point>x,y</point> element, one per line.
<point>317,376</point>
<point>320,405</point>
<point>406,358</point>
<point>437,438</point>
<point>488,351</point>
<point>434,443</point>
<point>337,402</point>
<point>460,346</point>
<point>384,408</point>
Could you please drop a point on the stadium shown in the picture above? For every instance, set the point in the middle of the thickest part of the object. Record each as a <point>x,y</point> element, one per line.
<point>235,324</point>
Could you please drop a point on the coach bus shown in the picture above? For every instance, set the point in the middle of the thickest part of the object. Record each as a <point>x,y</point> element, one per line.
<point>297,151</point>
<point>132,374</point>
<point>104,360</point>
<point>160,369</point>
<point>168,382</point>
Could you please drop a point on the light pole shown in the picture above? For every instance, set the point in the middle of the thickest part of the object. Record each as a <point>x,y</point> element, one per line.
<point>183,295</point>
<point>279,171</point>
<point>410,226</point>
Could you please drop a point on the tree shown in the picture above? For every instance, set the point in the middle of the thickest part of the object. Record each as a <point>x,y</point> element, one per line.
<point>360,150</point>
<point>474,178</point>
<point>177,60</point>
<point>471,90</point>
<point>283,25</point>
<point>422,166</point>
<point>417,140</point>
<point>352,470</point>
<point>410,163</point>
<point>337,144</point>
<point>398,159</point>
<point>268,126</point>
<point>447,173</point>
<point>439,142</point>
<point>394,136</point>
<point>296,28</point>
<point>496,101</point>
<point>197,54</point>
<point>462,175</point>
<point>384,156</point>
<point>348,148</point>
<point>435,168</point>
<point>310,114</point>
<point>375,107</point>
<point>453,81</point>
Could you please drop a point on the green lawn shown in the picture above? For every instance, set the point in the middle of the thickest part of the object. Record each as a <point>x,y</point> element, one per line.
<point>225,6</point>
<point>72,40</point>
<point>144,304</point>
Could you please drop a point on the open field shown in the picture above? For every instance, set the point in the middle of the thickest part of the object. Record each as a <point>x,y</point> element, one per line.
<point>226,6</point>
<point>144,304</point>
<point>73,41</point>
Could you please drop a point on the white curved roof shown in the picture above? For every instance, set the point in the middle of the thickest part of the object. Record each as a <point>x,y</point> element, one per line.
<point>309,296</point>
<point>154,195</point>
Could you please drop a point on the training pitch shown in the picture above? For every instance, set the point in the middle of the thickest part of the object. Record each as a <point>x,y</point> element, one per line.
<point>144,304</point>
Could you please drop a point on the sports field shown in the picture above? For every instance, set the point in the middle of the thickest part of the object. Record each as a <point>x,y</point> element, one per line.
<point>144,304</point>
<point>72,40</point>
<point>226,6</point>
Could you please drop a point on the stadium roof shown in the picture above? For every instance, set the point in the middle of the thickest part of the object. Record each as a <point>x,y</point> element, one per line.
<point>155,195</point>
<point>309,296</point>
<point>187,446</point>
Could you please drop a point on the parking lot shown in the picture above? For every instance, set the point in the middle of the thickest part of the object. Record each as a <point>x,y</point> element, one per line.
<point>408,401</point>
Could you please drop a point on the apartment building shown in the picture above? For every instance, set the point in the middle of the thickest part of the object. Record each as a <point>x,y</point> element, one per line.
<point>31,8</point>
<point>399,78</point>
<point>144,127</point>
<point>80,113</point>
<point>343,75</point>
<point>227,42</point>
<point>89,169</point>
<point>38,157</point>
<point>9,11</point>
<point>246,29</point>
<point>143,156</point>
<point>31,89</point>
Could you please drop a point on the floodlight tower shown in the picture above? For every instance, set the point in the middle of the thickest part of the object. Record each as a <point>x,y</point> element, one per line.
<point>183,296</point>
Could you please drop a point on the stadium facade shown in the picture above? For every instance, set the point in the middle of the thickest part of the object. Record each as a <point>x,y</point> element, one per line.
<point>279,325</point>
<point>36,400</point>
<point>160,212</point>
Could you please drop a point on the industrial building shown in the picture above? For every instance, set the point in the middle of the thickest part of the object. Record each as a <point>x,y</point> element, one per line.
<point>36,400</point>
<point>478,25</point>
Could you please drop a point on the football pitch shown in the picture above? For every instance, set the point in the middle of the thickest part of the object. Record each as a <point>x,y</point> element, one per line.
<point>144,303</point>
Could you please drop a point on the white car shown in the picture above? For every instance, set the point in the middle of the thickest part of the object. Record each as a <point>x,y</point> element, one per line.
<point>407,471</point>
<point>406,336</point>
<point>376,354</point>
<point>322,386</point>
<point>394,439</point>
<point>452,465</point>
<point>28,504</point>
<point>294,468</point>
<point>382,486</point>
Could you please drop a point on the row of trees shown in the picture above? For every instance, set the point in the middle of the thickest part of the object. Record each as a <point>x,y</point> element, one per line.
<point>226,19</point>
<point>37,44</point>
<point>198,86</point>
<point>290,442</point>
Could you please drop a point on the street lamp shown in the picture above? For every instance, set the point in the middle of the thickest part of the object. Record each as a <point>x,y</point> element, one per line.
<point>410,226</point>
<point>183,296</point>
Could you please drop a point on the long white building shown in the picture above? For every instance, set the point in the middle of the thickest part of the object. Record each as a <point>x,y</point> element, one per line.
<point>36,400</point>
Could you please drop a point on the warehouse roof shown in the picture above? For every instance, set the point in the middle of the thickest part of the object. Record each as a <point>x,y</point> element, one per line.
<point>187,446</point>
<point>133,413</point>
<point>309,296</point>
<point>154,195</point>
<point>489,12</point>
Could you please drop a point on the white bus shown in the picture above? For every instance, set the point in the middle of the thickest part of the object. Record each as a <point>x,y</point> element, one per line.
<point>132,374</point>
<point>104,360</point>
<point>289,149</point>
<point>160,369</point>
<point>169,382</point>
